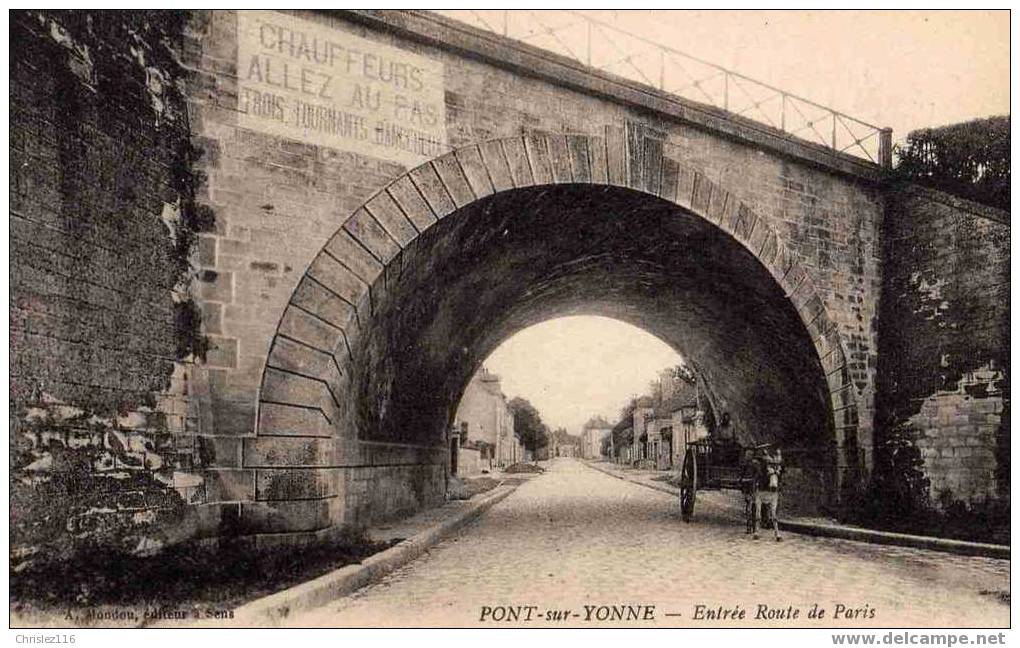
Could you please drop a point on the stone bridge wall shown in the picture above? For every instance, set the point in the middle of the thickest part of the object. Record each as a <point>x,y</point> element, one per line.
<point>944,362</point>
<point>128,162</point>
<point>277,201</point>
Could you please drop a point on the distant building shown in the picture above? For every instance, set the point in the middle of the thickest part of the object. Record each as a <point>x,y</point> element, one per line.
<point>593,435</point>
<point>661,423</point>
<point>484,425</point>
<point>644,447</point>
<point>561,444</point>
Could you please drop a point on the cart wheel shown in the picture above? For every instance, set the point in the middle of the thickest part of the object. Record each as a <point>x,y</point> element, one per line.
<point>688,487</point>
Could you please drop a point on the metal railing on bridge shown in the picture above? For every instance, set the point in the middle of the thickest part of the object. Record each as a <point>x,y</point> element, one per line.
<point>604,47</point>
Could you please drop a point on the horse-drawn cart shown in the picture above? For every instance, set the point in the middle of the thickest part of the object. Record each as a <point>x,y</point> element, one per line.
<point>723,464</point>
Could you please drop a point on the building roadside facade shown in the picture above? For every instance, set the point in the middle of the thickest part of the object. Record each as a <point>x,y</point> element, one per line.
<point>484,427</point>
<point>659,424</point>
<point>593,437</point>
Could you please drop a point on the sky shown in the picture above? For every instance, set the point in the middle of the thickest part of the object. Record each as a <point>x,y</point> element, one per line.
<point>900,69</point>
<point>571,368</point>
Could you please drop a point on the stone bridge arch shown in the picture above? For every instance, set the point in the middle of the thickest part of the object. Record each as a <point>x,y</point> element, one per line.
<point>324,451</point>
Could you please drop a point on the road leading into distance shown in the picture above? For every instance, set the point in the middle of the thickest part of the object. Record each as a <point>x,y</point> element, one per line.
<point>575,545</point>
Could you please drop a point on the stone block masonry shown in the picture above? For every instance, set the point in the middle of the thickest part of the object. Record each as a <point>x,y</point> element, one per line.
<point>278,201</point>
<point>944,340</point>
<point>105,330</point>
<point>195,304</point>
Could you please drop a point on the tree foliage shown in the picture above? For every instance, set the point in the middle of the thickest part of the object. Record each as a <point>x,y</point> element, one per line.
<point>622,434</point>
<point>970,159</point>
<point>528,425</point>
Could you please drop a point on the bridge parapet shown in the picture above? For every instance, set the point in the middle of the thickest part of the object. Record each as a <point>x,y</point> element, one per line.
<point>609,49</point>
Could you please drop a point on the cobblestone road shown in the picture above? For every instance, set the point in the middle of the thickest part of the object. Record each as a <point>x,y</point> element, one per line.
<point>576,537</point>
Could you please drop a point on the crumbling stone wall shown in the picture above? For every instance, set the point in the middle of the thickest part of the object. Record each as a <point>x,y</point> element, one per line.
<point>944,341</point>
<point>103,327</point>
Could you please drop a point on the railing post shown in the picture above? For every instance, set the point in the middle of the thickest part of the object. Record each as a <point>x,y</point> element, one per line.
<point>782,113</point>
<point>662,69</point>
<point>726,91</point>
<point>885,148</point>
<point>833,131</point>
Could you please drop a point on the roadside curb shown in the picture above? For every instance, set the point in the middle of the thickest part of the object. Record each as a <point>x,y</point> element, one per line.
<point>276,608</point>
<point>946,545</point>
<point>857,534</point>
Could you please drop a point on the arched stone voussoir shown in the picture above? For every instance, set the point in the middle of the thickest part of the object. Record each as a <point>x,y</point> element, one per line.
<point>559,159</point>
<point>745,221</point>
<point>285,419</point>
<point>347,249</point>
<point>819,324</point>
<point>843,397</point>
<point>794,281</point>
<point>669,176</point>
<point>307,328</point>
<point>837,380</point>
<point>411,202</point>
<point>830,341</point>
<point>496,165</point>
<point>832,359</point>
<point>455,183</point>
<point>685,182</point>
<point>426,179</point>
<point>296,357</point>
<point>475,170</point>
<point>333,275</point>
<point>802,296</point>
<point>763,242</point>
<point>332,309</point>
<point>782,260</point>
<point>650,169</point>
<point>774,254</point>
<point>847,418</point>
<point>281,386</point>
<point>516,155</point>
<point>812,308</point>
<point>579,158</point>
<point>321,303</point>
<point>537,150</point>
<point>385,210</point>
<point>721,206</point>
<point>598,158</point>
<point>616,156</point>
<point>701,195</point>
<point>371,235</point>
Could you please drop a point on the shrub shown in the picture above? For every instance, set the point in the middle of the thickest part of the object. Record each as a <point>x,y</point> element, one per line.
<point>971,159</point>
